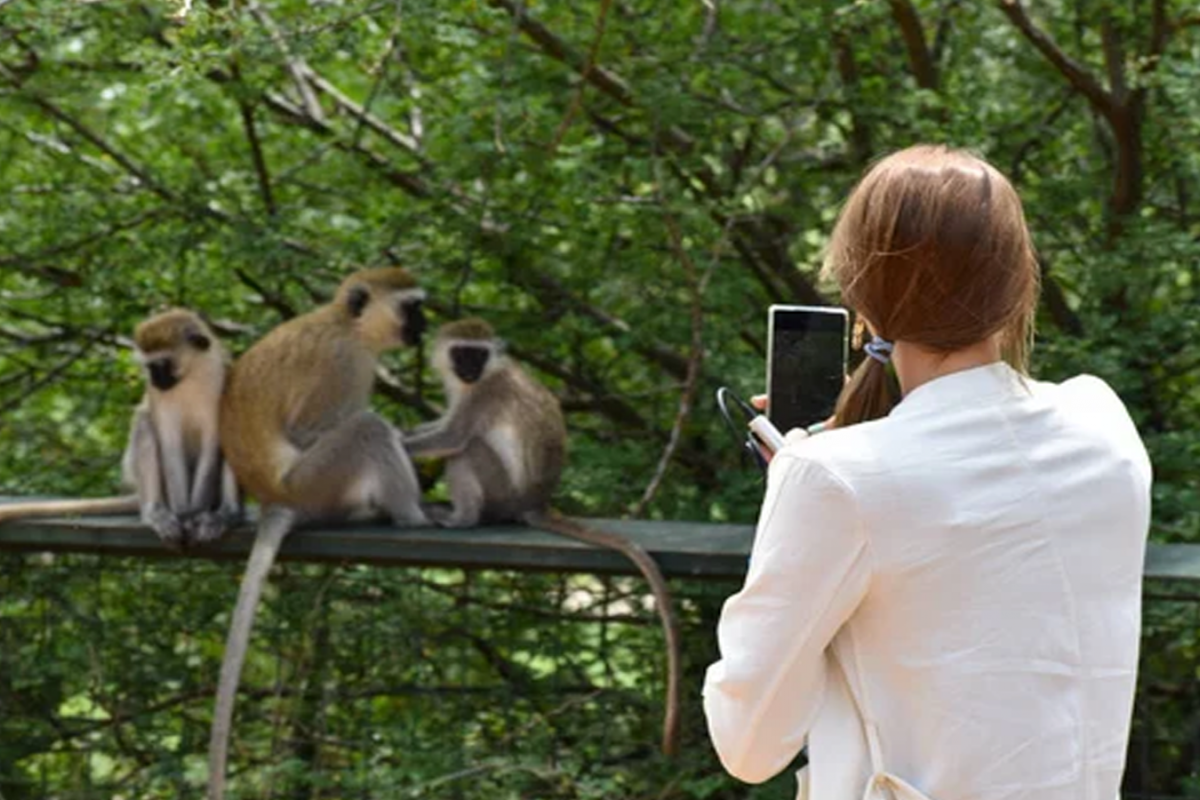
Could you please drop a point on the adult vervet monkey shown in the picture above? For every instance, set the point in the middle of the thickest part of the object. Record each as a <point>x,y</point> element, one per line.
<point>182,487</point>
<point>297,429</point>
<point>504,441</point>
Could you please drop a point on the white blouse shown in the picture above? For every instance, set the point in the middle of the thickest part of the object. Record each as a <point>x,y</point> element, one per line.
<point>945,602</point>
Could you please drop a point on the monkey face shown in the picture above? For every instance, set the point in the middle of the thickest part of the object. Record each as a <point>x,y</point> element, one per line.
<point>469,361</point>
<point>412,321</point>
<point>162,373</point>
<point>387,319</point>
<point>170,344</point>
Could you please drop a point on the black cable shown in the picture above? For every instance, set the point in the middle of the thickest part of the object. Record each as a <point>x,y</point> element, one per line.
<point>724,395</point>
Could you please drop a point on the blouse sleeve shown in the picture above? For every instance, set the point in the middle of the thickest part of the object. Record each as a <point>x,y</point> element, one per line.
<point>809,569</point>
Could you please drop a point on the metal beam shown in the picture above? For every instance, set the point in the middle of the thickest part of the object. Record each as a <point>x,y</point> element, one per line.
<point>682,549</point>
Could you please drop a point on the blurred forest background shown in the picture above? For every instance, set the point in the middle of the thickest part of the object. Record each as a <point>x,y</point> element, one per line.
<point>621,187</point>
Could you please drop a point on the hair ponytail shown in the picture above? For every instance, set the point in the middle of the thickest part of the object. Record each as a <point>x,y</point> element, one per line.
<point>870,394</point>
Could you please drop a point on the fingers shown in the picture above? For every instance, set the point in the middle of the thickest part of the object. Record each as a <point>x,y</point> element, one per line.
<point>795,435</point>
<point>759,401</point>
<point>824,425</point>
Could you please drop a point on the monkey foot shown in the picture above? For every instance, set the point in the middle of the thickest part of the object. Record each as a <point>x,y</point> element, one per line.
<point>168,527</point>
<point>208,526</point>
<point>448,518</point>
<point>412,519</point>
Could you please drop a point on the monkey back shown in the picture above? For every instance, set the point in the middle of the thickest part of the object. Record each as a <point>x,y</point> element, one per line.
<point>301,380</point>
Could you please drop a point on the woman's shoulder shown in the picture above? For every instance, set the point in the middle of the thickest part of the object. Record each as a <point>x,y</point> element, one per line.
<point>1088,396</point>
<point>1088,403</point>
<point>1084,385</point>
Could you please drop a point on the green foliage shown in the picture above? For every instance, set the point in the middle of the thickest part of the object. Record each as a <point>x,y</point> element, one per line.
<point>361,682</point>
<point>150,159</point>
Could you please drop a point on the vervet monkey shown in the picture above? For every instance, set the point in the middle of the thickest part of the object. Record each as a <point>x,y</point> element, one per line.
<point>182,487</point>
<point>297,428</point>
<point>504,441</point>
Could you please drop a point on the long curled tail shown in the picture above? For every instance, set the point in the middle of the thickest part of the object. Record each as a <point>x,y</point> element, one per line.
<point>125,504</point>
<point>275,524</point>
<point>556,523</point>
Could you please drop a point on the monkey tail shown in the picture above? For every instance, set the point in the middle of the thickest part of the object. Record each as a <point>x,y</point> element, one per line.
<point>125,504</point>
<point>275,524</point>
<point>556,523</point>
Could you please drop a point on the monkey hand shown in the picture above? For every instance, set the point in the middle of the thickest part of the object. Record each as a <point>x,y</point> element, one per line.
<point>208,526</point>
<point>166,524</point>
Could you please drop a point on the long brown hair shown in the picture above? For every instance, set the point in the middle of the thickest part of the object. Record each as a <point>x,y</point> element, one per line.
<point>932,248</point>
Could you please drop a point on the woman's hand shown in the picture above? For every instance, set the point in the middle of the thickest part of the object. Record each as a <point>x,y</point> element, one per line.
<point>759,401</point>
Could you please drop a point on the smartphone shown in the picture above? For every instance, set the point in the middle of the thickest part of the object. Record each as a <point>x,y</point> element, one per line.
<point>806,363</point>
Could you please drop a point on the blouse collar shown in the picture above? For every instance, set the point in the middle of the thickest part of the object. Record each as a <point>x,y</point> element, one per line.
<point>969,386</point>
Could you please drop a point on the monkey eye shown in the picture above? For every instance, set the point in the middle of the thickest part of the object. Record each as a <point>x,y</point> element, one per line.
<point>199,341</point>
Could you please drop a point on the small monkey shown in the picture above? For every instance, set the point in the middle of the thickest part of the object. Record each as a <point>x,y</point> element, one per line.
<point>298,431</point>
<point>504,441</point>
<point>182,487</point>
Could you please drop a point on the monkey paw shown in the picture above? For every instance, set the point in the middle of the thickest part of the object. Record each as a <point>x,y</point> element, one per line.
<point>208,526</point>
<point>448,518</point>
<point>412,519</point>
<point>168,526</point>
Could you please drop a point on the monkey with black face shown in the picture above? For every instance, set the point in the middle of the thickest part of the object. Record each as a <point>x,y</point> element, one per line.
<point>183,488</point>
<point>297,428</point>
<point>504,441</point>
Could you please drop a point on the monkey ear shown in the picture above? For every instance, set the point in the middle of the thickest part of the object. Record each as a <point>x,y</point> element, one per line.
<point>199,341</point>
<point>357,299</point>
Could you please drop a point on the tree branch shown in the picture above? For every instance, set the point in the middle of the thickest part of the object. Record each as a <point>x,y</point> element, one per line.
<point>695,360</point>
<point>412,183</point>
<point>47,378</point>
<point>79,244</point>
<point>1114,58</point>
<point>1037,135</point>
<point>256,154</point>
<point>1186,21</point>
<point>1161,27</point>
<point>296,67</point>
<point>920,61</point>
<point>860,133</point>
<point>360,113</point>
<point>271,299</point>
<point>606,81</point>
<point>945,24</point>
<point>761,251</point>
<point>552,293</point>
<point>137,171</point>
<point>1083,81</point>
<point>577,100</point>
<point>388,385</point>
<point>1055,302</point>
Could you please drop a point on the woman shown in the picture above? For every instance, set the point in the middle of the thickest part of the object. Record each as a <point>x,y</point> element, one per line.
<point>944,596</point>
